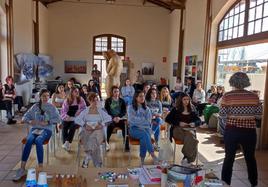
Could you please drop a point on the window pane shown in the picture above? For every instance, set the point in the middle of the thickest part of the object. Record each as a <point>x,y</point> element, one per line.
<point>98,43</point>
<point>220,36</point>
<point>257,26</point>
<point>225,35</point>
<point>230,33</point>
<point>104,39</point>
<point>265,24</point>
<point>242,6</point>
<point>98,48</point>
<point>225,23</point>
<point>265,13</point>
<point>241,31</point>
<point>259,2</point>
<point>241,18</point>
<point>236,9</point>
<point>98,39</point>
<point>231,21</point>
<point>250,28</point>
<point>235,32</point>
<point>236,20</point>
<point>252,3</point>
<point>114,39</point>
<point>120,44</point>
<point>259,12</point>
<point>252,14</point>
<point>231,12</point>
<point>221,26</point>
<point>104,48</point>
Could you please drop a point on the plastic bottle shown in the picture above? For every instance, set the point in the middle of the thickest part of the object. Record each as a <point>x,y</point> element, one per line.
<point>42,180</point>
<point>31,178</point>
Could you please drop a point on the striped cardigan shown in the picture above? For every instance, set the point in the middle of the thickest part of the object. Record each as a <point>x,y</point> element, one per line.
<point>240,108</point>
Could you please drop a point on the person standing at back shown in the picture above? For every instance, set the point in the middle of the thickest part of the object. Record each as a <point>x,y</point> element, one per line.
<point>239,110</point>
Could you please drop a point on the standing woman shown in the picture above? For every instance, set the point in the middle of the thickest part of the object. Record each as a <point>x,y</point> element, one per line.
<point>59,96</point>
<point>127,92</point>
<point>156,109</point>
<point>139,119</point>
<point>41,117</point>
<point>182,119</point>
<point>71,108</point>
<point>92,120</point>
<point>239,110</point>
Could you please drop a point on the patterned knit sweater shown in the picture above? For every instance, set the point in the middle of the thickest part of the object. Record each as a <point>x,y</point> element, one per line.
<point>240,108</point>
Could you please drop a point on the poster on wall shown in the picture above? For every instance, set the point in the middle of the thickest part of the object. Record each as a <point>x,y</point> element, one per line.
<point>147,68</point>
<point>175,69</point>
<point>190,67</point>
<point>199,71</point>
<point>75,66</point>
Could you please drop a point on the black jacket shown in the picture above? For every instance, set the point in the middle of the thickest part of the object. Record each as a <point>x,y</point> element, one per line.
<point>122,105</point>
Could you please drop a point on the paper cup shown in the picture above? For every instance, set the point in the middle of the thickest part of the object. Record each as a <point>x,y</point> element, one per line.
<point>31,175</point>
<point>42,178</point>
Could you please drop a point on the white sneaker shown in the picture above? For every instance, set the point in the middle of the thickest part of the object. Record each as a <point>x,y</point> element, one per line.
<point>66,146</point>
<point>107,147</point>
<point>19,174</point>
<point>184,162</point>
<point>23,109</point>
<point>204,126</point>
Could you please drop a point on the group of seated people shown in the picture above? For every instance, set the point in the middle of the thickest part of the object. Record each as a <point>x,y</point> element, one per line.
<point>143,111</point>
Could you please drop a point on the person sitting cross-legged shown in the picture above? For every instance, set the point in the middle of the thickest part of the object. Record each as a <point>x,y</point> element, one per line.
<point>116,107</point>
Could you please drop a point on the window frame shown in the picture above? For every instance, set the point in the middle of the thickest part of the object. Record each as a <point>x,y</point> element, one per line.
<point>246,39</point>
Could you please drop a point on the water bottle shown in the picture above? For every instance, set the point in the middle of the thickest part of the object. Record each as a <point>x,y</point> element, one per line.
<point>42,180</point>
<point>31,178</point>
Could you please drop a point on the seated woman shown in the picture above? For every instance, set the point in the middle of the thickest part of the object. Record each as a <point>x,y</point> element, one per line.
<point>68,86</point>
<point>71,108</point>
<point>59,96</point>
<point>199,98</point>
<point>156,109</point>
<point>165,99</point>
<point>6,105</point>
<point>128,92</point>
<point>10,93</point>
<point>183,118</point>
<point>41,116</point>
<point>92,120</point>
<point>84,93</point>
<point>116,107</point>
<point>139,119</point>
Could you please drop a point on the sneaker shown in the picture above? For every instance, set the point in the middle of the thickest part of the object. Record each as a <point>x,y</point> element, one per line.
<point>19,174</point>
<point>11,121</point>
<point>23,109</point>
<point>85,163</point>
<point>156,160</point>
<point>156,147</point>
<point>184,162</point>
<point>66,146</point>
<point>107,147</point>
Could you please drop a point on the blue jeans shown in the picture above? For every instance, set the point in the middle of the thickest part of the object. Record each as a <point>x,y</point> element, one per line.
<point>128,100</point>
<point>145,140</point>
<point>38,140</point>
<point>156,127</point>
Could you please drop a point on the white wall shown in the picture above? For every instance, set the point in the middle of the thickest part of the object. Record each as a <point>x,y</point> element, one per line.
<point>174,37</point>
<point>73,25</point>
<point>23,38</point>
<point>43,29</point>
<point>195,17</point>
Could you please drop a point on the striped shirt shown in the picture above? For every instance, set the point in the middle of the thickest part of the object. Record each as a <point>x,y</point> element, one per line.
<point>240,108</point>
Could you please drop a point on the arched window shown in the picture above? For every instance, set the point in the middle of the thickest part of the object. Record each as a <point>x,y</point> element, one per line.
<point>103,43</point>
<point>243,43</point>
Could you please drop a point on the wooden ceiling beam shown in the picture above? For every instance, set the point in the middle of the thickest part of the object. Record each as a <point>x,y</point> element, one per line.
<point>160,3</point>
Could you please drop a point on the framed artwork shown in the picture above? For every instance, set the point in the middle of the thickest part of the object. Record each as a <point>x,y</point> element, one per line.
<point>190,67</point>
<point>147,68</point>
<point>75,66</point>
<point>175,69</point>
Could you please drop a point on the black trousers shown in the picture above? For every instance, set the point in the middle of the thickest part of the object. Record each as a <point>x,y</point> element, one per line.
<point>247,138</point>
<point>121,125</point>
<point>68,131</point>
<point>6,105</point>
<point>19,100</point>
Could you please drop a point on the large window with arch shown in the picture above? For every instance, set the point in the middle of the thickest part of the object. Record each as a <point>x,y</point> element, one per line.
<point>102,43</point>
<point>243,43</point>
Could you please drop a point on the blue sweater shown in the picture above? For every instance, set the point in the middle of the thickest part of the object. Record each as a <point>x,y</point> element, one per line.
<point>51,115</point>
<point>140,118</point>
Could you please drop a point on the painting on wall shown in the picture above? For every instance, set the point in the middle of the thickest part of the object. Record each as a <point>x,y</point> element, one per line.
<point>175,69</point>
<point>147,68</point>
<point>199,71</point>
<point>190,67</point>
<point>75,66</point>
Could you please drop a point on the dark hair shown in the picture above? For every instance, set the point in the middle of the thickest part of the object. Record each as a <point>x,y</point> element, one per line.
<point>179,104</point>
<point>134,101</point>
<point>239,80</point>
<point>56,90</point>
<point>84,85</point>
<point>113,88</point>
<point>148,94</point>
<point>40,102</point>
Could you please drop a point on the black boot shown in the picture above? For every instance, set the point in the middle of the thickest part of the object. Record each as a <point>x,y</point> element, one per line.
<point>11,121</point>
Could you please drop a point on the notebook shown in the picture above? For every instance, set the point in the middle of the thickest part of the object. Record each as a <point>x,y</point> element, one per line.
<point>153,172</point>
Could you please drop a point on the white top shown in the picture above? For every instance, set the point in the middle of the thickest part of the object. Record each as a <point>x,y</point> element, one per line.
<point>92,119</point>
<point>59,100</point>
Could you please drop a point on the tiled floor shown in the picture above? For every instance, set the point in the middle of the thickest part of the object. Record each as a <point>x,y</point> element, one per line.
<point>211,154</point>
